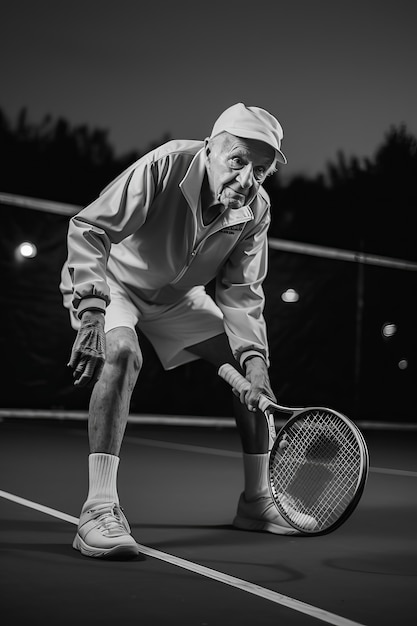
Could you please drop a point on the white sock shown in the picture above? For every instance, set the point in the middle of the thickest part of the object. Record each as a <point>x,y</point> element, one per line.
<point>102,485</point>
<point>255,469</point>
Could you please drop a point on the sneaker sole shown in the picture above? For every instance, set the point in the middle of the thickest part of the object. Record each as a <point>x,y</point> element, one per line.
<point>243,523</point>
<point>123,551</point>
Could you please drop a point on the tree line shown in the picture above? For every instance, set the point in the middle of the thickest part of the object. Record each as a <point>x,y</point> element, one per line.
<point>368,204</point>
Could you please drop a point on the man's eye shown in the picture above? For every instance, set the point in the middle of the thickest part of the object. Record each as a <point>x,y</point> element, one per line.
<point>260,171</point>
<point>236,162</point>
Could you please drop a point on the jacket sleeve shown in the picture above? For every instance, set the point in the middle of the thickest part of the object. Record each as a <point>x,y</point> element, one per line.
<point>117,213</point>
<point>240,295</point>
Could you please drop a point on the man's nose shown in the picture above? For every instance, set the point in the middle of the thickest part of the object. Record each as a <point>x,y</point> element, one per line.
<point>245,177</point>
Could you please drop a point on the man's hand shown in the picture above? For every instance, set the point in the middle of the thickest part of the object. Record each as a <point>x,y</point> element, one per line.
<point>88,353</point>
<point>257,375</point>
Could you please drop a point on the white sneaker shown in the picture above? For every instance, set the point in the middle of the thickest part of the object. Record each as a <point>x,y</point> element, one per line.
<point>261,514</point>
<point>308,522</point>
<point>104,532</point>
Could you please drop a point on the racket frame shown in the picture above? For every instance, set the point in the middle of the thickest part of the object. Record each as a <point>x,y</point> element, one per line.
<point>268,407</point>
<point>362,475</point>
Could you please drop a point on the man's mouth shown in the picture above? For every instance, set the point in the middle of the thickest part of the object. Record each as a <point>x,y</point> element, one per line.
<point>228,192</point>
<point>237,193</point>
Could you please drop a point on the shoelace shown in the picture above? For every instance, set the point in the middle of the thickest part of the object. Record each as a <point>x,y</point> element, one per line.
<point>110,521</point>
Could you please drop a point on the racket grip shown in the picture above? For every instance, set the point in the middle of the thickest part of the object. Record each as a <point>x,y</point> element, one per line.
<point>232,376</point>
<point>239,382</point>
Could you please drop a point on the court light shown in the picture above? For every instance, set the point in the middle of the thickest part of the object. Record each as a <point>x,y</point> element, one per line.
<point>290,296</point>
<point>403,364</point>
<point>26,250</point>
<point>389,330</point>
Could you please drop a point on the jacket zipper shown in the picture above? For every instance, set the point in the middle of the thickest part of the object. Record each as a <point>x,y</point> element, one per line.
<point>187,265</point>
<point>195,250</point>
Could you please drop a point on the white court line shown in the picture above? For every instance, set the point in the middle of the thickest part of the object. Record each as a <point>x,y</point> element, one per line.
<point>238,583</point>
<point>185,447</point>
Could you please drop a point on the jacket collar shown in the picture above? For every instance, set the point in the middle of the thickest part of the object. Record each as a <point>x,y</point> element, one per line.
<point>191,188</point>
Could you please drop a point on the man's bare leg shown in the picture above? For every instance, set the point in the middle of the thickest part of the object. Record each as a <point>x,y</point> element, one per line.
<point>256,509</point>
<point>103,530</point>
<point>111,395</point>
<point>109,410</point>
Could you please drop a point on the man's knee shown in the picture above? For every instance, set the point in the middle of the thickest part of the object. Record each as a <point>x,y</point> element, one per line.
<point>123,350</point>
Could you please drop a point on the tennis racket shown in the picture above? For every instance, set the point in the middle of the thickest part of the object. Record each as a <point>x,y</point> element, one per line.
<point>318,462</point>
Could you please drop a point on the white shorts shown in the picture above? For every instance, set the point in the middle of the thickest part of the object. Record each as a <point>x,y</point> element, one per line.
<point>170,328</point>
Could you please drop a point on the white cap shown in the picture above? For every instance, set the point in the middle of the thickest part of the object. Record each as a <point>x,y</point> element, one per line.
<point>251,123</point>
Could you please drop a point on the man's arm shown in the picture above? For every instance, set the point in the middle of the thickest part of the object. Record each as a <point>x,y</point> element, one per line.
<point>116,214</point>
<point>113,216</point>
<point>240,296</point>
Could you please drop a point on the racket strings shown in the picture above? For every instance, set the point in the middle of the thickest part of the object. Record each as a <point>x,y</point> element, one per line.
<point>318,473</point>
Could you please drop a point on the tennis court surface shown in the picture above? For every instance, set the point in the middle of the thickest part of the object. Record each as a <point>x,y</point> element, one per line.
<point>179,487</point>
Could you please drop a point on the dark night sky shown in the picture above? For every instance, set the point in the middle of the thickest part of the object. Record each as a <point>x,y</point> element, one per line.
<point>336,74</point>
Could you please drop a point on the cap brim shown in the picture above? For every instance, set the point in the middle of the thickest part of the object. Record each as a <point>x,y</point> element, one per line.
<point>249,134</point>
<point>281,157</point>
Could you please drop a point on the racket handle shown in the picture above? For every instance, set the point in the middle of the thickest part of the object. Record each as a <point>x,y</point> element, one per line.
<point>232,376</point>
<point>239,382</point>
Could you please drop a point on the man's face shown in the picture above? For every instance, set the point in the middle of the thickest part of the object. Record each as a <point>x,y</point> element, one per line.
<point>236,168</point>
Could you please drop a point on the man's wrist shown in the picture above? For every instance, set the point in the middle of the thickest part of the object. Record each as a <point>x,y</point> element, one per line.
<point>91,304</point>
<point>93,312</point>
<point>254,360</point>
<point>249,354</point>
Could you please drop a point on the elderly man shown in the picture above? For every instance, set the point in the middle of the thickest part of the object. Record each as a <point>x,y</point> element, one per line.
<point>140,256</point>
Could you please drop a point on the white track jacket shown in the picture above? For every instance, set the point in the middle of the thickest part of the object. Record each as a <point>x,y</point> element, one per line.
<point>142,231</point>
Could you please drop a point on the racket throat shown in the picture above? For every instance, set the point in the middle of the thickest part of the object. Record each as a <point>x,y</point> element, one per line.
<point>272,433</point>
